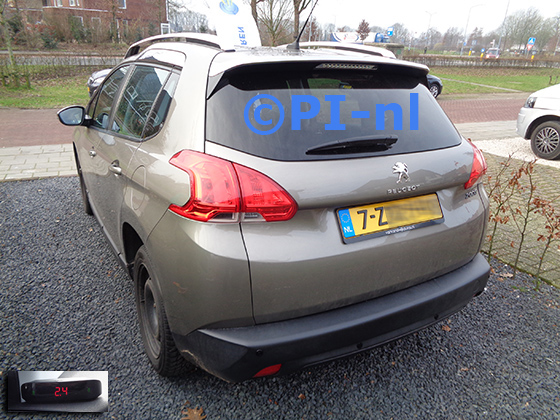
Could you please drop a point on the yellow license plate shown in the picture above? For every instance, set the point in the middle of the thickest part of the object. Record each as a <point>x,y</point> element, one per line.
<point>390,217</point>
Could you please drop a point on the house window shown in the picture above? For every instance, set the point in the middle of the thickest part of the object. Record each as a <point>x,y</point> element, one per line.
<point>122,4</point>
<point>59,3</point>
<point>165,28</point>
<point>78,20</point>
<point>72,3</point>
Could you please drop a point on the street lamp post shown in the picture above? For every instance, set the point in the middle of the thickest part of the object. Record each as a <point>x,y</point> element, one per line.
<point>466,26</point>
<point>428,30</point>
<point>557,33</point>
<point>503,28</point>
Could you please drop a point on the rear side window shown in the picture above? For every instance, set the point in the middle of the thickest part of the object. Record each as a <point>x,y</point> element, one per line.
<point>313,111</point>
<point>144,102</point>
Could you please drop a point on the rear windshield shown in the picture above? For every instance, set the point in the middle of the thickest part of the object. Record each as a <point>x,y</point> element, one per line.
<point>318,111</point>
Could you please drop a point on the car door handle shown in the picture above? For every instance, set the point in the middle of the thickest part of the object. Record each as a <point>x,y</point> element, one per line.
<point>115,168</point>
<point>92,153</point>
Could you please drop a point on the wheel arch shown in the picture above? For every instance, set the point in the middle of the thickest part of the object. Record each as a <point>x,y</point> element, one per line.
<point>131,244</point>
<point>539,121</point>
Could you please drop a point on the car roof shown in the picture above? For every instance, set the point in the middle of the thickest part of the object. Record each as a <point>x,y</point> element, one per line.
<point>225,59</point>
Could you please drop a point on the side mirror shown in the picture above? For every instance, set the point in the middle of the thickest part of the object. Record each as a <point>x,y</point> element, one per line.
<point>73,115</point>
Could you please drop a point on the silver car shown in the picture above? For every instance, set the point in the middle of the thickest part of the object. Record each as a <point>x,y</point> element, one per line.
<point>278,208</point>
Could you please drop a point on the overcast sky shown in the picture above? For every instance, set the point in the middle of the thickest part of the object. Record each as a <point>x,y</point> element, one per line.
<point>415,15</point>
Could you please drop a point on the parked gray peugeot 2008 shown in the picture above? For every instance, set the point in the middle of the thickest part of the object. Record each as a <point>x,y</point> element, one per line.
<point>278,208</point>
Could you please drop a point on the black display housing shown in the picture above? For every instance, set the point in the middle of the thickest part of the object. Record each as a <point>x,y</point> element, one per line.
<point>61,390</point>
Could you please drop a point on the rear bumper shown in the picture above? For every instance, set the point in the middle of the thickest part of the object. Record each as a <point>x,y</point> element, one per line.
<point>237,354</point>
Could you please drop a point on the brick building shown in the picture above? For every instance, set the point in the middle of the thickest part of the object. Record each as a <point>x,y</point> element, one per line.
<point>123,19</point>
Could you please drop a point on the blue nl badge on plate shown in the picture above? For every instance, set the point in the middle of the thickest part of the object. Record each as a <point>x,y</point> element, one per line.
<point>346,223</point>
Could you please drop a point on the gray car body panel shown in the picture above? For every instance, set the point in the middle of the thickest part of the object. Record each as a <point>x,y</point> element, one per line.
<point>295,271</point>
<point>203,272</point>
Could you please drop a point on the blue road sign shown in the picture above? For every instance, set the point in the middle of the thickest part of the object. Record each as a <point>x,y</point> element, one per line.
<point>531,41</point>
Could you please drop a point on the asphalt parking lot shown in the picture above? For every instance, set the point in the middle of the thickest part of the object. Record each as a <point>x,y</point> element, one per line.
<point>66,305</point>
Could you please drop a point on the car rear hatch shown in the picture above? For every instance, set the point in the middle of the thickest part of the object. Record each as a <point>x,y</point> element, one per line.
<point>377,170</point>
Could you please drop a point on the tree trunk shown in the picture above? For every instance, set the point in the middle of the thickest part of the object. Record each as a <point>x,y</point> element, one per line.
<point>7,36</point>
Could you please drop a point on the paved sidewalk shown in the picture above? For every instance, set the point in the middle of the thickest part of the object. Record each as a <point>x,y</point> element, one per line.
<point>33,162</point>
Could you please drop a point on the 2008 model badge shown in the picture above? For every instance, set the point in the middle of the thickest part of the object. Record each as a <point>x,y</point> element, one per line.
<point>401,169</point>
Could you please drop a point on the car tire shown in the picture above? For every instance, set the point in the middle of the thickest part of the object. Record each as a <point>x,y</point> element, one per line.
<point>545,140</point>
<point>83,188</point>
<point>154,328</point>
<point>435,90</point>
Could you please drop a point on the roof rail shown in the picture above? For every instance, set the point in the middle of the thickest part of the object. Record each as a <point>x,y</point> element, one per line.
<point>194,38</point>
<point>359,48</point>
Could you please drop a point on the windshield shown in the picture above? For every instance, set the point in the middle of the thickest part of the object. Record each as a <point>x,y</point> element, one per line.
<point>292,113</point>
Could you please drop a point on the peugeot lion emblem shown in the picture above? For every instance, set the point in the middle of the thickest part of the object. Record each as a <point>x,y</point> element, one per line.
<point>402,170</point>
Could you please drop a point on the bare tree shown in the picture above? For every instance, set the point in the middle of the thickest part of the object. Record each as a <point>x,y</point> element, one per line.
<point>7,33</point>
<point>522,25</point>
<point>313,31</point>
<point>363,29</point>
<point>545,33</point>
<point>400,33</point>
<point>345,28</point>
<point>475,36</point>
<point>452,38</point>
<point>431,37</point>
<point>328,29</point>
<point>274,18</point>
<point>254,10</point>
<point>182,19</point>
<point>299,6</point>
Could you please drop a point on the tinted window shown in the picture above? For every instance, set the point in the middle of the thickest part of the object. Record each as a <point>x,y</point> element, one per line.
<point>137,100</point>
<point>106,97</point>
<point>299,114</point>
<point>161,106</point>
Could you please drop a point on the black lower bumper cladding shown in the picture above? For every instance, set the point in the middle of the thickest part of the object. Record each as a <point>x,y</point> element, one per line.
<point>237,354</point>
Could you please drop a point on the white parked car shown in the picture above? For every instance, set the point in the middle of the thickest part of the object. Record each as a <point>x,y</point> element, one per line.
<point>539,121</point>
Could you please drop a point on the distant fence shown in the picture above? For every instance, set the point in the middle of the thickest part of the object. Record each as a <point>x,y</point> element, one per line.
<point>455,61</point>
<point>54,59</point>
<point>60,59</point>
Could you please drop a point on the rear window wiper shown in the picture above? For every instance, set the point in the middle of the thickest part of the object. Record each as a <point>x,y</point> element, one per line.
<point>363,144</point>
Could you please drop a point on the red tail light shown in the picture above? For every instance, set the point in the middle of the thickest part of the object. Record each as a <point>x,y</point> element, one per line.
<point>225,191</point>
<point>479,167</point>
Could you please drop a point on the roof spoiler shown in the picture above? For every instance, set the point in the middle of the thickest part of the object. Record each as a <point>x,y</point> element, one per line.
<point>207,40</point>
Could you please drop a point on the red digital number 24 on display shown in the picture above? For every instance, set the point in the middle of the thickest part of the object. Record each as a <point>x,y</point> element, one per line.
<point>60,390</point>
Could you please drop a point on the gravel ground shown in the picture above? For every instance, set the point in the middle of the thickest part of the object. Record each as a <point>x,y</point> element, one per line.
<point>66,305</point>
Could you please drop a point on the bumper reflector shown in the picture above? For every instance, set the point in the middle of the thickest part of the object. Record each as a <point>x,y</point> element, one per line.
<point>267,371</point>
